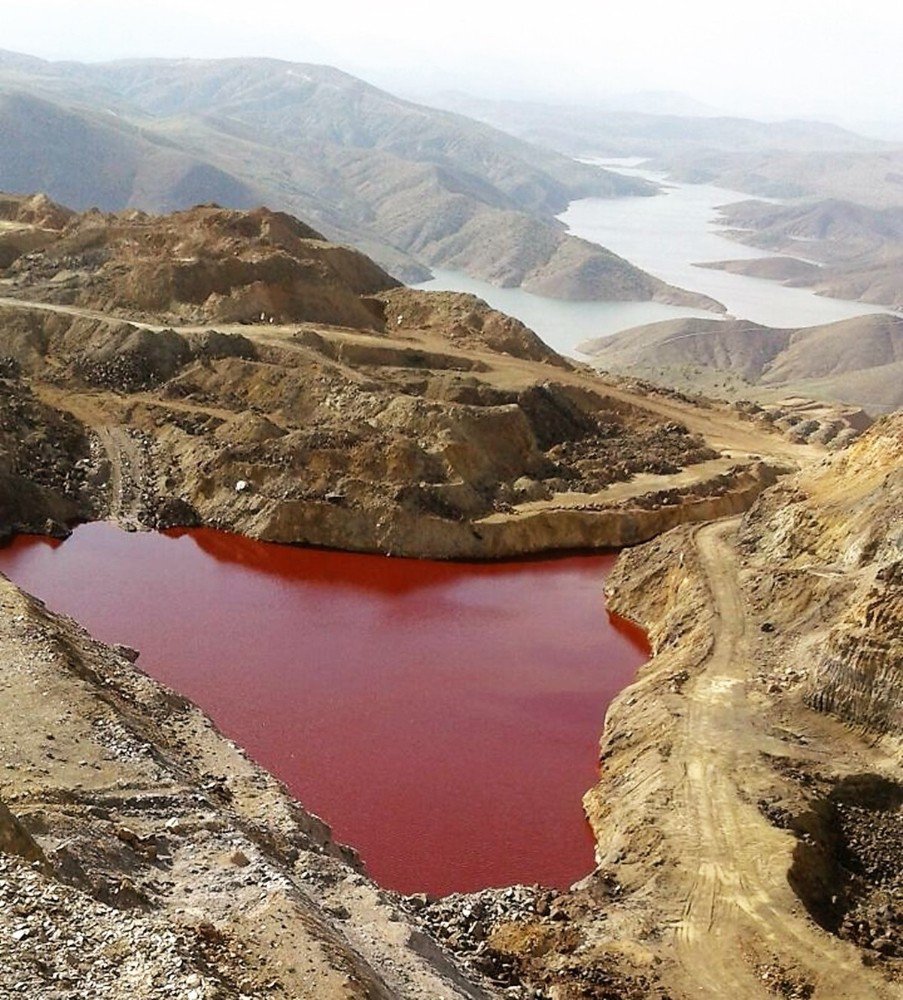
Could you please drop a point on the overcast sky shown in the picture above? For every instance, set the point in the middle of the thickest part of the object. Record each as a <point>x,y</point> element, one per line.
<point>838,58</point>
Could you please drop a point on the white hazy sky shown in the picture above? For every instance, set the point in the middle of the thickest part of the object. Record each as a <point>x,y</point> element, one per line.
<point>839,58</point>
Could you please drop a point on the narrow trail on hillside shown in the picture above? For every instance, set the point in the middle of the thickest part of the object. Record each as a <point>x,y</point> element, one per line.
<point>739,905</point>
<point>76,311</point>
<point>129,474</point>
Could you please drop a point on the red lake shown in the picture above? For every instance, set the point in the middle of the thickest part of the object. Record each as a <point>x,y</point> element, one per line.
<point>443,718</point>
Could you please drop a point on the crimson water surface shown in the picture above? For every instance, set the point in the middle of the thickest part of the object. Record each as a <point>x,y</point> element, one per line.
<point>443,717</point>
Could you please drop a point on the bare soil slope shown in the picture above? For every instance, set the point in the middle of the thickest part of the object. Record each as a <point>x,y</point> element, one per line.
<point>855,361</point>
<point>340,409</point>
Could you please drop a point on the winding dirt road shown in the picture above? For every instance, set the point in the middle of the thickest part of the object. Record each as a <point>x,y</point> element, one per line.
<point>722,427</point>
<point>740,911</point>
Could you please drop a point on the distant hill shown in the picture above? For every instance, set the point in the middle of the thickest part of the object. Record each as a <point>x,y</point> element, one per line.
<point>94,159</point>
<point>856,361</point>
<point>411,186</point>
<point>641,102</point>
<point>845,226</point>
<point>868,176</point>
<point>635,129</point>
<point>860,248</point>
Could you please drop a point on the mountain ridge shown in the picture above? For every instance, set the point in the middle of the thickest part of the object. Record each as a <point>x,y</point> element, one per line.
<point>856,361</point>
<point>413,187</point>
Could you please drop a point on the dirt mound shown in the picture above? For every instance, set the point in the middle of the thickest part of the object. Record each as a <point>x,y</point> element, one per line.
<point>34,210</point>
<point>846,867</point>
<point>28,224</point>
<point>44,464</point>
<point>467,322</point>
<point>15,839</point>
<point>132,359</point>
<point>205,264</point>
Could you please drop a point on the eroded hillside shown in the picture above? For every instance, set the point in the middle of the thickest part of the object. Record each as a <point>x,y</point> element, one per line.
<point>235,369</point>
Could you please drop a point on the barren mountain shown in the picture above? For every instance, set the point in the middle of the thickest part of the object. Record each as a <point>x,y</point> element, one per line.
<point>409,185</point>
<point>856,361</point>
<point>91,157</point>
<point>860,249</point>
<point>839,229</point>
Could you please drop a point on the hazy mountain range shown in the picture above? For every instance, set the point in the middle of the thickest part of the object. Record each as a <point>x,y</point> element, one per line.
<point>632,128</point>
<point>409,185</point>
<point>858,360</point>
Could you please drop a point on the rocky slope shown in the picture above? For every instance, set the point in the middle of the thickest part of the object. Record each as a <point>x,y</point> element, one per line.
<point>842,523</point>
<point>409,185</point>
<point>203,265</point>
<point>856,361</point>
<point>352,412</point>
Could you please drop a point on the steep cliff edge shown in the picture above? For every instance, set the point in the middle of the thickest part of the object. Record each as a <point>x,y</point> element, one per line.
<point>835,531</point>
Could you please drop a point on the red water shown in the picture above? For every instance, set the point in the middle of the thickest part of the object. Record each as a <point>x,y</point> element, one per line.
<point>443,718</point>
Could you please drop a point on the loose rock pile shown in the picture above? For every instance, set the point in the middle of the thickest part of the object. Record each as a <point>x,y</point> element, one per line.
<point>56,943</point>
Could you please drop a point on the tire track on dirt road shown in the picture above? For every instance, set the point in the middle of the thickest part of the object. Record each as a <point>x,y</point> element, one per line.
<point>738,899</point>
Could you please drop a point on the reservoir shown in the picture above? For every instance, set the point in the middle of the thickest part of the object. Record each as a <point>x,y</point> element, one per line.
<point>561,324</point>
<point>666,235</point>
<point>444,718</point>
<point>669,234</point>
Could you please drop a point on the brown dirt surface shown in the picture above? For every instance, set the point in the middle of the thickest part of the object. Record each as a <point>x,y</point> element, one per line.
<point>204,264</point>
<point>414,423</point>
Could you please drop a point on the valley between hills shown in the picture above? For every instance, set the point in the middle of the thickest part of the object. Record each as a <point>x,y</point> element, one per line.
<point>235,369</point>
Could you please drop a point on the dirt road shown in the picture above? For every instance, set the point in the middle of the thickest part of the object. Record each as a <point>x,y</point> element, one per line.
<point>722,426</point>
<point>741,915</point>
